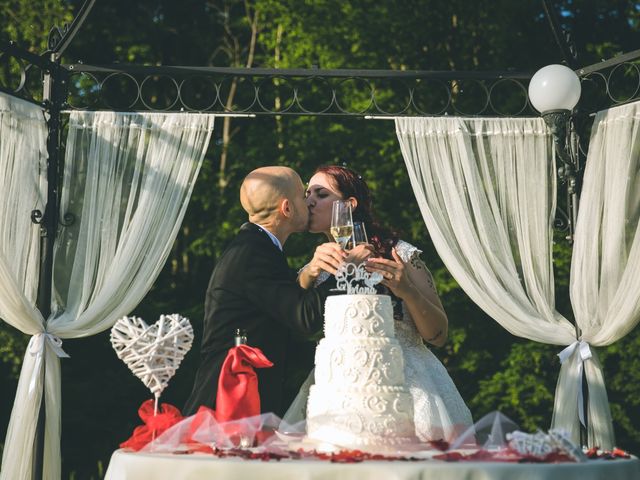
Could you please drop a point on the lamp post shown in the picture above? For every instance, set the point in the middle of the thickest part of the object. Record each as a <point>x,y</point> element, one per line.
<point>554,91</point>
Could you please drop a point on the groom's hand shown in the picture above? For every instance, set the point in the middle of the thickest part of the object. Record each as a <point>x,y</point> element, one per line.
<point>328,258</point>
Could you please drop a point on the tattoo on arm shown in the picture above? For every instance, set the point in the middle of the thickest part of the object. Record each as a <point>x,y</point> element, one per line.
<point>435,337</point>
<point>431,283</point>
<point>419,265</point>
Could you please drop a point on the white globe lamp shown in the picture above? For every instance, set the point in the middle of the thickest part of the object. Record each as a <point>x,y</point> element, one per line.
<point>554,91</point>
<point>554,87</point>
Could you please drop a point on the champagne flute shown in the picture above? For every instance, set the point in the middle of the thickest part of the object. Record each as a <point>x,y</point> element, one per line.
<point>359,234</point>
<point>341,222</point>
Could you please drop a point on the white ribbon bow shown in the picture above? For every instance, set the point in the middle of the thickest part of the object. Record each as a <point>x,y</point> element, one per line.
<point>585,354</point>
<point>36,344</point>
<point>36,348</point>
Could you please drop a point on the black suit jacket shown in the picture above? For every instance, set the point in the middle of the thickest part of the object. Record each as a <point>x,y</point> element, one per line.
<point>253,288</point>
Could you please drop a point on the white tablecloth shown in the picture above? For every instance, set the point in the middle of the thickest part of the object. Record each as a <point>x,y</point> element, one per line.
<point>142,466</point>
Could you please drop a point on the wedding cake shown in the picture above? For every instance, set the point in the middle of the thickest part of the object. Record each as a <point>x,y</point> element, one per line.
<point>359,399</point>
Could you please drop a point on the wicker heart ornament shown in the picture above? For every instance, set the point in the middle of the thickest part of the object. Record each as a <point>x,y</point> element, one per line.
<point>152,352</point>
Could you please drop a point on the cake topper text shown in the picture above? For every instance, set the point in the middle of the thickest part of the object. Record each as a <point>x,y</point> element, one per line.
<point>350,277</point>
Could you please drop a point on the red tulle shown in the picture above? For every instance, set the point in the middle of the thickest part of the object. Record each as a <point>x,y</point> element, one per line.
<point>154,425</point>
<point>238,395</point>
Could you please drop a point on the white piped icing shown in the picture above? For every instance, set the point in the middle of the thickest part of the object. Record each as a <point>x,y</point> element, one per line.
<point>366,362</point>
<point>360,398</point>
<point>358,316</point>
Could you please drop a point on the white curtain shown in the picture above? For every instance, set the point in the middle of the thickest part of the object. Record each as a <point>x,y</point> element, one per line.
<point>127,180</point>
<point>604,284</point>
<point>486,190</point>
<point>23,188</point>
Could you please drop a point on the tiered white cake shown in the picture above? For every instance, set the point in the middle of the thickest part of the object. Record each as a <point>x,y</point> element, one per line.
<point>359,398</point>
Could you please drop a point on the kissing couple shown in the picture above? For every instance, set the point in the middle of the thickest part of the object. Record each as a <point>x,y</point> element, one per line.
<point>253,289</point>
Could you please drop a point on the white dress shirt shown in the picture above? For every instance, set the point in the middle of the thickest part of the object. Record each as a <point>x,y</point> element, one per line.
<point>274,239</point>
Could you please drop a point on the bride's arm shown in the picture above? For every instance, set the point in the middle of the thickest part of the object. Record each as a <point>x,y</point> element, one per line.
<point>424,304</point>
<point>413,283</point>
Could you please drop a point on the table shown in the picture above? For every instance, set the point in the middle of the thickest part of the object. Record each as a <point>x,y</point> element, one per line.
<point>126,465</point>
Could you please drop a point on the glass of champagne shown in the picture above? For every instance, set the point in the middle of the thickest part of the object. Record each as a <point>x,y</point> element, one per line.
<point>359,234</point>
<point>341,222</point>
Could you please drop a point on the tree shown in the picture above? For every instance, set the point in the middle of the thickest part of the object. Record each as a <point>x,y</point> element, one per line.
<point>492,369</point>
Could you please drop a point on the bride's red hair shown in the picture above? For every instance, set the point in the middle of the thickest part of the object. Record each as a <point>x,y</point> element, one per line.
<point>349,184</point>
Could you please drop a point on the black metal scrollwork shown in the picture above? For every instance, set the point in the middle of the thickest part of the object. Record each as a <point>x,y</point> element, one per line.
<point>561,221</point>
<point>36,216</point>
<point>299,92</point>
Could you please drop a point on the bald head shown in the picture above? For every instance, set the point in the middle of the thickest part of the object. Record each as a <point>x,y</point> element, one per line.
<point>263,190</point>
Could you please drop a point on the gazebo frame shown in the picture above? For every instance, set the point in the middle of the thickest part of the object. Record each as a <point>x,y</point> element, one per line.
<point>63,85</point>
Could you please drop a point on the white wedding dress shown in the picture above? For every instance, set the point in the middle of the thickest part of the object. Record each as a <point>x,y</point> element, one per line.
<point>439,411</point>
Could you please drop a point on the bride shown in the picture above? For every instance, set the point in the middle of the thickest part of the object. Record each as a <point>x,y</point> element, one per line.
<point>440,412</point>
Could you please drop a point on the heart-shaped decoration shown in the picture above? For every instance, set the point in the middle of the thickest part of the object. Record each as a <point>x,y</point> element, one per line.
<point>153,353</point>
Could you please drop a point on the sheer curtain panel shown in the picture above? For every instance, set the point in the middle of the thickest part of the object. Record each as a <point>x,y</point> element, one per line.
<point>23,188</point>
<point>127,182</point>
<point>604,284</point>
<point>486,189</point>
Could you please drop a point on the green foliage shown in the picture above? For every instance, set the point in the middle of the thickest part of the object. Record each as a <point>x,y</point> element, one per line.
<point>12,347</point>
<point>522,387</point>
<point>621,364</point>
<point>29,26</point>
<point>493,369</point>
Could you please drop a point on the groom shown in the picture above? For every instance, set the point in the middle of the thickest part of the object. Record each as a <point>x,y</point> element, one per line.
<point>252,288</point>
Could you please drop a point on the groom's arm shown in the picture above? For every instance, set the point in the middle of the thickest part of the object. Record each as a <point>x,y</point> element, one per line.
<point>272,288</point>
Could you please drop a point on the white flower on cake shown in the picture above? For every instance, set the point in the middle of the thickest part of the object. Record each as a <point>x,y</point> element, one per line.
<point>349,275</point>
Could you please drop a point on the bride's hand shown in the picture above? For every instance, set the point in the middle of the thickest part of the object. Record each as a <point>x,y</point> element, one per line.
<point>359,254</point>
<point>394,274</point>
<point>327,257</point>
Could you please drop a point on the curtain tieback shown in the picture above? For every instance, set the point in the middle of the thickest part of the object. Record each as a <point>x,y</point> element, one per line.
<point>585,354</point>
<point>36,344</point>
<point>36,348</point>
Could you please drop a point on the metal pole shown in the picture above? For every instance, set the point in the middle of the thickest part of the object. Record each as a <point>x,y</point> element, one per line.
<point>54,95</point>
<point>576,128</point>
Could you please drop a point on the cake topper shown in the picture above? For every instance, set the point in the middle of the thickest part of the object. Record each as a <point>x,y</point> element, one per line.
<point>153,353</point>
<point>350,278</point>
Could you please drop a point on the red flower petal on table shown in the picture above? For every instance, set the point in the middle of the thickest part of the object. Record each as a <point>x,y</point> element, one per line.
<point>347,456</point>
<point>199,448</point>
<point>619,453</point>
<point>481,455</point>
<point>592,452</point>
<point>558,457</point>
<point>450,457</point>
<point>440,444</point>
